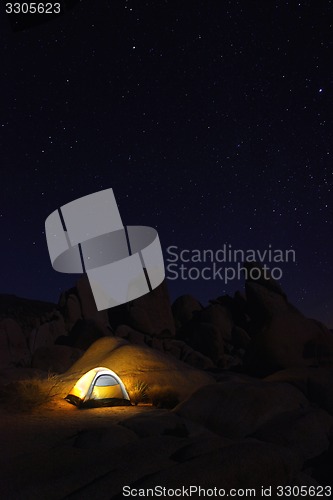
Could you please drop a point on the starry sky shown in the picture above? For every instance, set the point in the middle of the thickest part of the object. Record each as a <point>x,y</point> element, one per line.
<point>211,120</point>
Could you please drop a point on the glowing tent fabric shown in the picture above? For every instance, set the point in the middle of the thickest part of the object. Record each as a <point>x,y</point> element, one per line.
<point>98,387</point>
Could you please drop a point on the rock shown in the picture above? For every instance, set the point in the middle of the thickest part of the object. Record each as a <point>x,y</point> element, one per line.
<point>320,468</point>
<point>237,307</point>
<point>248,464</point>
<point>162,422</point>
<point>182,351</point>
<point>56,359</point>
<point>139,319</point>
<point>84,333</point>
<point>307,431</point>
<point>206,338</point>
<point>12,374</point>
<point>82,472</point>
<point>282,337</point>
<point>315,383</point>
<point>237,409</point>
<point>111,437</point>
<point>174,347</point>
<point>268,282</point>
<point>303,479</point>
<point>134,363</point>
<point>73,308</point>
<point>157,343</point>
<point>57,325</point>
<point>13,347</point>
<point>196,359</point>
<point>87,301</point>
<point>183,309</point>
<point>263,303</point>
<point>126,332</point>
<point>41,337</point>
<point>239,338</point>
<point>289,340</point>
<point>27,313</point>
<point>200,444</point>
<point>157,316</point>
<point>220,317</point>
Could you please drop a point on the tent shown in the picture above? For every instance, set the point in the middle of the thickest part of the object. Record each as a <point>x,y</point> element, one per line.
<point>98,387</point>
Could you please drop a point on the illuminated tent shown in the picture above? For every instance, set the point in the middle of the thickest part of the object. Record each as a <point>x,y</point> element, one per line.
<point>98,387</point>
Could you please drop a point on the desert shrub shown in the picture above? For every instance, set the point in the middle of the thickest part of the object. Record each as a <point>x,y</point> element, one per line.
<point>26,395</point>
<point>138,392</point>
<point>163,397</point>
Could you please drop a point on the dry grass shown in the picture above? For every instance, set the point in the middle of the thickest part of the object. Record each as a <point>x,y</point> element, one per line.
<point>27,395</point>
<point>138,392</point>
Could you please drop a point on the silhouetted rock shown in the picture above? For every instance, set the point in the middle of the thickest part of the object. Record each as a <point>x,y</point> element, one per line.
<point>139,319</point>
<point>152,313</point>
<point>13,346</point>
<point>28,313</point>
<point>87,301</point>
<point>247,464</point>
<point>281,336</point>
<point>183,309</point>
<point>73,307</point>
<point>220,317</point>
<point>206,338</point>
<point>47,333</point>
<point>84,333</point>
<point>239,338</point>
<point>56,358</point>
<point>237,409</point>
<point>291,429</point>
<point>157,424</point>
<point>315,383</point>
<point>128,333</point>
<point>196,358</point>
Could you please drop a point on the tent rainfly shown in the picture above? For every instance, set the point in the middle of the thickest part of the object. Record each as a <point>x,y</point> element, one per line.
<point>98,387</point>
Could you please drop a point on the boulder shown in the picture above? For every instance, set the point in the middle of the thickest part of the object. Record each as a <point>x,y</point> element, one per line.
<point>307,431</point>
<point>162,422</point>
<point>184,352</point>
<point>84,333</point>
<point>220,317</point>
<point>289,340</point>
<point>87,302</point>
<point>236,409</point>
<point>40,337</point>
<point>281,336</point>
<point>183,309</point>
<point>200,443</point>
<point>316,383</point>
<point>13,347</point>
<point>111,437</point>
<point>248,464</point>
<point>139,319</point>
<point>152,313</point>
<point>55,359</point>
<point>207,339</point>
<point>196,359</point>
<point>73,308</point>
<point>126,332</point>
<point>264,303</point>
<point>239,338</point>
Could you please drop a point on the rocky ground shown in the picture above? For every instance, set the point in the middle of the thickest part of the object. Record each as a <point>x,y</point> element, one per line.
<point>237,394</point>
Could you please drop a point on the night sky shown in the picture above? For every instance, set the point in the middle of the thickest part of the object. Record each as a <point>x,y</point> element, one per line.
<point>211,120</point>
